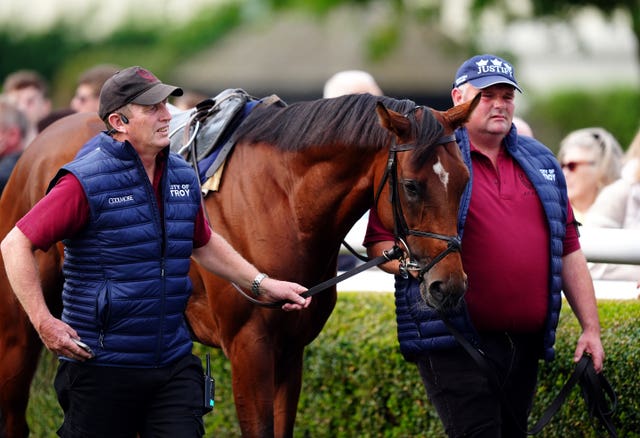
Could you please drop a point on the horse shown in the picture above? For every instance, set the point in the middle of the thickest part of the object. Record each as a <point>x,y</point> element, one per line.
<point>299,177</point>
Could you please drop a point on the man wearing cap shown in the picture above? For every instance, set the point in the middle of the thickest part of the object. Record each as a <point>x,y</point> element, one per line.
<point>130,215</point>
<point>520,248</point>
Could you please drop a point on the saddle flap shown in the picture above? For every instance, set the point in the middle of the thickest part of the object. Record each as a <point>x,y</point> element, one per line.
<point>215,117</point>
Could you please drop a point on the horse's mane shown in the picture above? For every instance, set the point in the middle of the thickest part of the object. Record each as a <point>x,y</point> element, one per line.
<point>350,119</point>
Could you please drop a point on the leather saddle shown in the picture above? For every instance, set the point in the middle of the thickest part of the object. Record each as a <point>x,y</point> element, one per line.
<point>204,135</point>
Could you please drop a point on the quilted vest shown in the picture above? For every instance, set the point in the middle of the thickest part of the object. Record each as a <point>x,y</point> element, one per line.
<point>420,329</point>
<point>126,274</point>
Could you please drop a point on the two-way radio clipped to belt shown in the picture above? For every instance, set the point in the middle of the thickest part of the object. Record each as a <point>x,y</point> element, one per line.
<point>209,387</point>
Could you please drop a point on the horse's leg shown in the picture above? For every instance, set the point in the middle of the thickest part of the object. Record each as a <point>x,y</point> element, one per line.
<point>20,349</point>
<point>252,369</point>
<point>20,345</point>
<point>288,384</point>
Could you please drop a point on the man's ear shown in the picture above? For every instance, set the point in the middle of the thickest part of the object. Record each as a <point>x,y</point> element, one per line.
<point>116,121</point>
<point>456,96</point>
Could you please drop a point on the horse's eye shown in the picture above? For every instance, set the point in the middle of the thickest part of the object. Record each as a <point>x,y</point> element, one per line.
<point>411,188</point>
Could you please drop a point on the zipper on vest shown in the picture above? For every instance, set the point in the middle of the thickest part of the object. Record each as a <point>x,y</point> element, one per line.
<point>163,293</point>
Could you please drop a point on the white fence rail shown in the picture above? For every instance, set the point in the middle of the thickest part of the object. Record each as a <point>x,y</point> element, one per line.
<point>600,245</point>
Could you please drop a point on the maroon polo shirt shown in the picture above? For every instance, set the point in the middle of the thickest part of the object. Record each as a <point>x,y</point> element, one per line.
<point>505,247</point>
<point>64,211</point>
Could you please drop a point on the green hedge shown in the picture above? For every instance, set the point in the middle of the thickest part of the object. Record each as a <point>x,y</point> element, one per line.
<point>356,384</point>
<point>616,109</point>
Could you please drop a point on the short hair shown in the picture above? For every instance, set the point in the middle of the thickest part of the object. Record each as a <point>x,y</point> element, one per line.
<point>351,82</point>
<point>10,116</point>
<point>96,76</point>
<point>24,79</point>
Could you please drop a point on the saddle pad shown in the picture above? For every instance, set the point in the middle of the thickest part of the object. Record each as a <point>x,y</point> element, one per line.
<point>216,120</point>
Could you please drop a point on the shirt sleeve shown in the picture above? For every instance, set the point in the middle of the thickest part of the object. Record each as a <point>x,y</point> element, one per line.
<point>376,232</point>
<point>61,214</point>
<point>202,230</point>
<point>571,241</point>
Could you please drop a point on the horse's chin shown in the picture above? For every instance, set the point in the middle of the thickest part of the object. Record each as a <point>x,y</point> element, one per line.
<point>443,299</point>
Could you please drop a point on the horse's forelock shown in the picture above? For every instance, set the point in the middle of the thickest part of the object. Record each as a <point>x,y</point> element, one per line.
<point>349,119</point>
<point>429,131</point>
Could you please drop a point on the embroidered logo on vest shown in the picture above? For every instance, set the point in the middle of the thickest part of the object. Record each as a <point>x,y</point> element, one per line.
<point>548,174</point>
<point>180,190</point>
<point>120,199</point>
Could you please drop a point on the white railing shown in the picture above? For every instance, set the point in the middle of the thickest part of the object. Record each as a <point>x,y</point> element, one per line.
<point>611,245</point>
<point>600,245</point>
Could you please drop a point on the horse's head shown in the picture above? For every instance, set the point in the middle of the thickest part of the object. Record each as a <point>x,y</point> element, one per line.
<point>427,177</point>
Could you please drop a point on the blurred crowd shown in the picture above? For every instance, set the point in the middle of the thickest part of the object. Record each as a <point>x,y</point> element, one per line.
<point>603,180</point>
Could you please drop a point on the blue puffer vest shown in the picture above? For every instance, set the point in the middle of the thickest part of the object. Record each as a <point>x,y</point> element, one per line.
<point>420,330</point>
<point>126,274</point>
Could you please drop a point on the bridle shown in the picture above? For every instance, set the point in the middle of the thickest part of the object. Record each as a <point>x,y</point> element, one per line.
<point>400,250</point>
<point>400,228</point>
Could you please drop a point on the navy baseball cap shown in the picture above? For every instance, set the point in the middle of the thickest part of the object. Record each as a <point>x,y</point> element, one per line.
<point>483,71</point>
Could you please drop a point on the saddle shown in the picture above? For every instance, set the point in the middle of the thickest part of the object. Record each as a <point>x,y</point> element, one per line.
<point>204,135</point>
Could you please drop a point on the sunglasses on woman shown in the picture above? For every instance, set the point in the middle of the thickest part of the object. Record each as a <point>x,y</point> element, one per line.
<point>572,165</point>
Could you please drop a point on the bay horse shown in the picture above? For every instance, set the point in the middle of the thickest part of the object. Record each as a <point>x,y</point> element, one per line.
<point>297,181</point>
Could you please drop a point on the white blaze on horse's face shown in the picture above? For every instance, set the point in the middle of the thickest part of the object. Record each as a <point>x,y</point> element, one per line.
<point>442,173</point>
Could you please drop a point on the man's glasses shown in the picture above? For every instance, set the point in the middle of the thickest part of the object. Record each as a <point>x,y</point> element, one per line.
<point>573,165</point>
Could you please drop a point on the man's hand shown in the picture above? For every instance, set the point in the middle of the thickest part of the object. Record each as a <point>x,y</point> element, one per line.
<point>59,337</point>
<point>277,290</point>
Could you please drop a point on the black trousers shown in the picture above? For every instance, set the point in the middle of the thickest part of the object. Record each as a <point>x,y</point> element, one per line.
<point>123,402</point>
<point>467,404</point>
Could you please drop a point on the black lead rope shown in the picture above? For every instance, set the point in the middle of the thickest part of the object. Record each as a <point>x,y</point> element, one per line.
<point>393,253</point>
<point>599,396</point>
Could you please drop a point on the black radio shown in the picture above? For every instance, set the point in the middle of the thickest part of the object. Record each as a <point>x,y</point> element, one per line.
<point>209,388</point>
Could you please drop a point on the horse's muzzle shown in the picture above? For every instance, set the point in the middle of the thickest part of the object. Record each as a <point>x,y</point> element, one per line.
<point>444,295</point>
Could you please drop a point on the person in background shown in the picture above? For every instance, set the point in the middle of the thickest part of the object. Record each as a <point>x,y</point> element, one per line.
<point>522,126</point>
<point>126,363</point>
<point>341,83</point>
<point>350,82</point>
<point>14,127</point>
<point>29,91</point>
<point>591,158</point>
<point>618,206</point>
<point>520,250</point>
<point>188,100</point>
<point>87,95</point>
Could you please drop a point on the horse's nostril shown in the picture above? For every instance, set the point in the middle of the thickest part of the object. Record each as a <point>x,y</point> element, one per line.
<point>442,295</point>
<point>436,292</point>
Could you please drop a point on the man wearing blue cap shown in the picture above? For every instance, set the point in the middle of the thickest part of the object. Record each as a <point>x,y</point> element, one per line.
<point>520,248</point>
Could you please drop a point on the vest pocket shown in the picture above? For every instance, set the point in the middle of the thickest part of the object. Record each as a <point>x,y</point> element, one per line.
<point>103,309</point>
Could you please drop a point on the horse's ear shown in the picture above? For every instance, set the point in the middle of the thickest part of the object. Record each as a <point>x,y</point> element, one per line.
<point>460,114</point>
<point>393,121</point>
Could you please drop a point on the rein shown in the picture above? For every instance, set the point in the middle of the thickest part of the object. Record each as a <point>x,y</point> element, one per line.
<point>598,394</point>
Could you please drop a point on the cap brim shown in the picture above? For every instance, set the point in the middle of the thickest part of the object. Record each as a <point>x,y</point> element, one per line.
<point>488,81</point>
<point>156,94</point>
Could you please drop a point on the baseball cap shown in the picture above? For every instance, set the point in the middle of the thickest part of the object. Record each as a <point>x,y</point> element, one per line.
<point>482,71</point>
<point>133,85</point>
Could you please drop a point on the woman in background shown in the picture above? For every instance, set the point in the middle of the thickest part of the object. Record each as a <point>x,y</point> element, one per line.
<point>618,206</point>
<point>591,158</point>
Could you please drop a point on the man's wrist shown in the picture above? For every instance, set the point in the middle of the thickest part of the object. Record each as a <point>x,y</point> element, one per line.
<point>255,284</point>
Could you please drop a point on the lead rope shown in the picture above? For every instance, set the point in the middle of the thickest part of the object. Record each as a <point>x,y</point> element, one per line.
<point>599,395</point>
<point>392,254</point>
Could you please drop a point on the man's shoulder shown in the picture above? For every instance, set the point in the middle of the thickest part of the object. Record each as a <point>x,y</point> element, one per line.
<point>529,148</point>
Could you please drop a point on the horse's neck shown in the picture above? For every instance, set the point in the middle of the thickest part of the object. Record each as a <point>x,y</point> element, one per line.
<point>336,189</point>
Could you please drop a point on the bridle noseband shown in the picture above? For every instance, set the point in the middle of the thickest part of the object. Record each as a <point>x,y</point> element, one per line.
<point>400,228</point>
